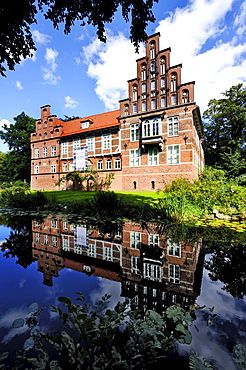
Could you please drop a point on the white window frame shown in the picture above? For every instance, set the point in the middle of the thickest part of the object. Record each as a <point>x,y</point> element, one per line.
<point>163,82</point>
<point>117,164</point>
<point>36,153</point>
<point>154,240</point>
<point>109,164</point>
<point>107,253</point>
<point>174,99</point>
<point>172,156</point>
<point>144,87</point>
<point>54,241</point>
<point>173,249</point>
<point>152,271</point>
<point>71,166</point>
<point>37,237</point>
<point>100,164</point>
<point>153,104</point>
<point>85,124</point>
<point>36,170</point>
<point>144,106</point>
<point>90,143</point>
<point>163,101</point>
<point>134,132</point>
<point>135,157</point>
<point>46,239</point>
<point>91,250</point>
<point>135,264</point>
<point>53,168</point>
<point>163,66</point>
<point>106,141</point>
<point>135,108</point>
<point>143,72</point>
<point>64,167</point>
<point>65,244</point>
<point>53,151</point>
<point>153,85</point>
<point>151,127</point>
<point>76,143</point>
<point>173,126</point>
<point>174,273</point>
<point>135,239</point>
<point>153,156</point>
<point>65,148</point>
<point>45,152</point>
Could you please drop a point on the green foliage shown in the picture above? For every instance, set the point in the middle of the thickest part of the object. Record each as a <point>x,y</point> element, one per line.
<point>239,354</point>
<point>101,338</point>
<point>225,131</point>
<point>199,363</point>
<point>89,180</point>
<point>17,17</point>
<point>19,197</point>
<point>16,165</point>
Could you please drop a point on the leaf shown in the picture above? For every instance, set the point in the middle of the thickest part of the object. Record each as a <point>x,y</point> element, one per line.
<point>29,344</point>
<point>65,300</point>
<point>199,363</point>
<point>178,314</point>
<point>33,307</point>
<point>18,323</point>
<point>184,334</point>
<point>3,355</point>
<point>239,354</point>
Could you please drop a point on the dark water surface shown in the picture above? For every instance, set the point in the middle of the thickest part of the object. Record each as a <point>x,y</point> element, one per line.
<point>44,259</point>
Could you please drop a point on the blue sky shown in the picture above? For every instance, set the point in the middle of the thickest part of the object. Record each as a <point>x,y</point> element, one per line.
<point>79,76</point>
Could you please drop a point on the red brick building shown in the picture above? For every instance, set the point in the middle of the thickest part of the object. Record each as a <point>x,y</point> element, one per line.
<point>155,136</point>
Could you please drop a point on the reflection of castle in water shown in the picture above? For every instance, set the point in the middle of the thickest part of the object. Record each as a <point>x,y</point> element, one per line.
<point>153,270</point>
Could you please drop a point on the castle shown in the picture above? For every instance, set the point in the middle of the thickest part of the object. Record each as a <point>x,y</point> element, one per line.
<point>155,137</point>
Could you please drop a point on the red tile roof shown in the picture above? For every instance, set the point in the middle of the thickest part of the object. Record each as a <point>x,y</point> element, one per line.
<point>100,121</point>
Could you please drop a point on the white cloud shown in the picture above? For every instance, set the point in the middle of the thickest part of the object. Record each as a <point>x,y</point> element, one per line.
<point>70,102</point>
<point>4,122</point>
<point>110,287</point>
<point>77,61</point>
<point>196,35</point>
<point>111,65</point>
<point>19,85</point>
<point>40,38</point>
<point>48,72</point>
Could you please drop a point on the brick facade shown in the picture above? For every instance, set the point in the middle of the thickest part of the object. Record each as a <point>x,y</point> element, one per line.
<point>155,136</point>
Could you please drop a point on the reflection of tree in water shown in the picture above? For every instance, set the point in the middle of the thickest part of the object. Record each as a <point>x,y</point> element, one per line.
<point>227,264</point>
<point>19,242</point>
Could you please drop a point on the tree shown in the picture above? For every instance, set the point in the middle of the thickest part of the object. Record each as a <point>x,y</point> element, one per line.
<point>17,136</point>
<point>225,131</point>
<point>16,17</point>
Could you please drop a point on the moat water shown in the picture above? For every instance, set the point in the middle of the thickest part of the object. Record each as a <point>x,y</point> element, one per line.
<point>156,266</point>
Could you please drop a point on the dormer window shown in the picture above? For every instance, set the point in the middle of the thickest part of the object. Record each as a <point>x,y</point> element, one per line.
<point>85,124</point>
<point>152,50</point>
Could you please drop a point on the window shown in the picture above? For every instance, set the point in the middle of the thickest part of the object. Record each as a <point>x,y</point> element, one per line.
<point>65,148</point>
<point>71,166</point>
<point>163,82</point>
<point>174,273</point>
<point>37,238</point>
<point>153,104</point>
<point>151,127</point>
<point>134,185</point>
<point>153,156</point>
<point>173,249</point>
<point>152,50</point>
<point>152,185</point>
<point>65,225</point>
<point>65,244</point>
<point>100,164</point>
<point>144,88</point>
<point>64,167</point>
<point>85,124</point>
<point>135,108</point>
<point>134,132</point>
<point>78,250</point>
<point>163,101</point>
<point>53,151</point>
<point>54,241</point>
<point>46,239</point>
<point>53,168</point>
<point>134,93</point>
<point>144,106</point>
<point>108,164</point>
<point>91,250</point>
<point>135,157</point>
<point>185,96</point>
<point>117,163</point>
<point>173,82</point>
<point>163,66</point>
<point>106,141</point>
<point>152,67</point>
<point>76,143</point>
<point>90,143</point>
<point>36,169</point>
<point>152,272</point>
<point>135,239</point>
<point>174,99</point>
<point>143,72</point>
<point>107,253</point>
<point>152,85</point>
<point>126,109</point>
<point>53,224</point>
<point>173,126</point>
<point>135,268</point>
<point>153,240</point>
<point>36,153</point>
<point>173,154</point>
<point>45,152</point>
